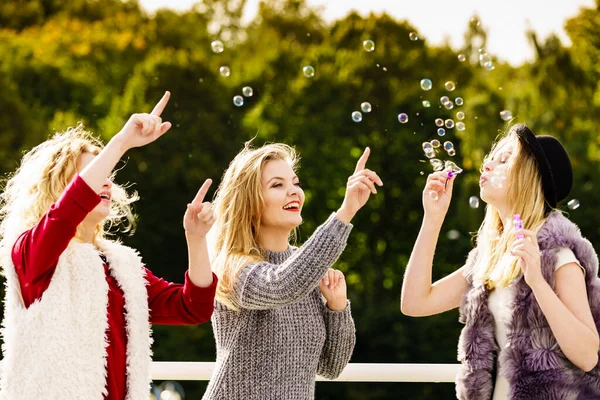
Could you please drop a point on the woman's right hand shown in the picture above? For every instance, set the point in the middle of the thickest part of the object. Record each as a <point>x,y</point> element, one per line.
<point>437,194</point>
<point>359,188</point>
<point>142,129</point>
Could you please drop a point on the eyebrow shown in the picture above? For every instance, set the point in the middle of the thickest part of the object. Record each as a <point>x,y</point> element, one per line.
<point>501,153</point>
<point>280,178</point>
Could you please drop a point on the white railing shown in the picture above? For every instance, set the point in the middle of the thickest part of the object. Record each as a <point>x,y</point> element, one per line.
<point>201,371</point>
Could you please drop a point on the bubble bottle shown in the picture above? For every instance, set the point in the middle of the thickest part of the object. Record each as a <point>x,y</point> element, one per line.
<point>518,226</point>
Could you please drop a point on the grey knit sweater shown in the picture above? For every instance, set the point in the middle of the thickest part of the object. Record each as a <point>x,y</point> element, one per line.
<point>284,334</point>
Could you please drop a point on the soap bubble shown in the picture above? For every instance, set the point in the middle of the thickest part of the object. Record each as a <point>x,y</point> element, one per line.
<point>453,234</point>
<point>459,101</point>
<point>402,118</point>
<point>441,131</point>
<point>486,61</point>
<point>449,105</point>
<point>474,202</point>
<point>366,107</point>
<point>460,126</point>
<point>413,36</point>
<point>439,122</point>
<point>247,91</point>
<point>426,84</point>
<point>217,46</point>
<point>450,86</point>
<point>448,146</point>
<point>449,123</point>
<point>356,116</point>
<point>452,152</point>
<point>455,168</point>
<point>224,71</point>
<point>460,115</point>
<point>444,99</point>
<point>573,204</point>
<point>433,195</point>
<point>462,58</point>
<point>505,115</point>
<point>238,101</point>
<point>426,104</point>
<point>435,143</point>
<point>427,147</point>
<point>437,165</point>
<point>369,45</point>
<point>308,71</point>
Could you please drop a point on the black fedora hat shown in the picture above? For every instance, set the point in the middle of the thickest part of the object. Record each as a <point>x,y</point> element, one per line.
<point>553,163</point>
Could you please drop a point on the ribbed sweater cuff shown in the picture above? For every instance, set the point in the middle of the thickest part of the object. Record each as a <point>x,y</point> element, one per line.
<point>337,320</point>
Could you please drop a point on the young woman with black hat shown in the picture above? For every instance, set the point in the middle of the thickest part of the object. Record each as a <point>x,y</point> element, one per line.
<point>530,301</point>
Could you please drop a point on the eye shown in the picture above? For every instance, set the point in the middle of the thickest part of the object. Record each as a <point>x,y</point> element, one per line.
<point>276,185</point>
<point>299,184</point>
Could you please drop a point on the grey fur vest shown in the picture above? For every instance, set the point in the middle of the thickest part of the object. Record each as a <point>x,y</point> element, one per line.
<point>532,361</point>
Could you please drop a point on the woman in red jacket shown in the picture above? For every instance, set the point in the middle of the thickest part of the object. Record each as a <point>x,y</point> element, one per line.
<point>78,306</point>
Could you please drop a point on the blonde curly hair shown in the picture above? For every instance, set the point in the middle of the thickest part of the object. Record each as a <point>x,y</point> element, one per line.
<point>42,177</point>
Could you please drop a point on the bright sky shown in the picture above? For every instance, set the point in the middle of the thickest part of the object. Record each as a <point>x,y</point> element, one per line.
<point>437,20</point>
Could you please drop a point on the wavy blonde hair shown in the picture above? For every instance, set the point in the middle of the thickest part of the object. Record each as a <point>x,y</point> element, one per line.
<point>526,197</point>
<point>42,177</point>
<point>238,207</point>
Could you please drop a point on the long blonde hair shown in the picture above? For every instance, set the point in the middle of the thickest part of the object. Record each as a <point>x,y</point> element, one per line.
<point>238,207</point>
<point>41,178</point>
<point>526,197</point>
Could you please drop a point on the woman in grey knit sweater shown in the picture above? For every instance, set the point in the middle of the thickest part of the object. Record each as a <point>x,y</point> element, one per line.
<point>281,315</point>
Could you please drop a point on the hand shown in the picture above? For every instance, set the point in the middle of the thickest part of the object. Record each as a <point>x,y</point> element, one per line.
<point>199,216</point>
<point>529,252</point>
<point>359,188</point>
<point>333,288</point>
<point>437,194</point>
<point>142,129</point>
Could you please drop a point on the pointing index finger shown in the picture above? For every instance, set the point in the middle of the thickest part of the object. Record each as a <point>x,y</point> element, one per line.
<point>362,161</point>
<point>160,106</point>
<point>202,192</point>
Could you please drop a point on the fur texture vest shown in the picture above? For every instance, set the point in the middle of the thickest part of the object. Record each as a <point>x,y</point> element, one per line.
<point>56,348</point>
<point>532,361</point>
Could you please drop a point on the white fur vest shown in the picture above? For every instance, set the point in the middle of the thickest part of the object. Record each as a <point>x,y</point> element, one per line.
<point>56,348</point>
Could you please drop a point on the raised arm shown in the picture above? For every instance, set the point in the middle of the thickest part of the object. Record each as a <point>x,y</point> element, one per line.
<point>419,296</point>
<point>36,252</point>
<point>265,285</point>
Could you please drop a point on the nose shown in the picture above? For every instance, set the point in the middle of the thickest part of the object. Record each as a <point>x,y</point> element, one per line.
<point>107,184</point>
<point>293,190</point>
<point>487,166</point>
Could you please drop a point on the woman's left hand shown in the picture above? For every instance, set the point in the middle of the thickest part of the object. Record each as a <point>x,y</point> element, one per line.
<point>199,216</point>
<point>333,288</point>
<point>528,250</point>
